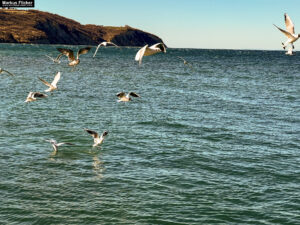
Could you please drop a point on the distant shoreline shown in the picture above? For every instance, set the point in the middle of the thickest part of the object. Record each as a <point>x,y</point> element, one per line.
<point>38,27</point>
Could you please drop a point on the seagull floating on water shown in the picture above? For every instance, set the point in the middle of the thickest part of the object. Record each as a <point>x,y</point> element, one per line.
<point>97,140</point>
<point>104,43</point>
<point>55,60</point>
<point>32,96</point>
<point>145,51</point>
<point>289,32</point>
<point>70,54</point>
<point>53,85</point>
<point>55,145</point>
<point>123,97</point>
<point>3,70</point>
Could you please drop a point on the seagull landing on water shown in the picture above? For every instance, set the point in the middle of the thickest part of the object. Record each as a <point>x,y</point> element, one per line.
<point>55,145</point>
<point>145,51</point>
<point>97,140</point>
<point>56,60</point>
<point>123,97</point>
<point>104,43</point>
<point>289,32</point>
<point>32,96</point>
<point>51,86</point>
<point>3,70</point>
<point>70,54</point>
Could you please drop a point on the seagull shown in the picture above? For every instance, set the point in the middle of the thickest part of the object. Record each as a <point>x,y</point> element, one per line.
<point>97,140</point>
<point>289,32</point>
<point>184,61</point>
<point>51,86</point>
<point>126,98</point>
<point>104,43</point>
<point>70,54</point>
<point>32,96</point>
<point>3,70</point>
<point>55,144</point>
<point>145,51</point>
<point>55,60</point>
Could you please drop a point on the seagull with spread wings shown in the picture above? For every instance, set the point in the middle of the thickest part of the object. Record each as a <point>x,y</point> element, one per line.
<point>55,145</point>
<point>289,32</point>
<point>104,43</point>
<point>32,96</point>
<point>145,51</point>
<point>97,139</point>
<point>53,85</point>
<point>3,70</point>
<point>123,97</point>
<point>184,61</point>
<point>70,54</point>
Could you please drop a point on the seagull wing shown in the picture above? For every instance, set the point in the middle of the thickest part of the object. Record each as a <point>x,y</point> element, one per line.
<point>104,133</point>
<point>288,34</point>
<point>45,82</point>
<point>52,141</point>
<point>83,51</point>
<point>133,94</point>
<point>93,133</point>
<point>289,24</point>
<point>97,48</point>
<point>181,58</point>
<point>160,46</point>
<point>8,72</point>
<point>39,95</point>
<point>67,52</point>
<point>50,57</point>
<point>139,55</point>
<point>30,94</point>
<point>112,44</point>
<point>56,79</point>
<point>121,94</point>
<point>64,143</point>
<point>58,57</point>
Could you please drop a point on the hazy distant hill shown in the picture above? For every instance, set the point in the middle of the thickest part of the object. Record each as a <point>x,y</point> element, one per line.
<point>33,26</point>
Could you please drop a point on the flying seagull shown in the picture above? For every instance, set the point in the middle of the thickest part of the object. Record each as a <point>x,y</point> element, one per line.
<point>123,97</point>
<point>145,51</point>
<point>184,61</point>
<point>97,140</point>
<point>289,32</point>
<point>104,43</point>
<point>3,70</point>
<point>70,54</point>
<point>51,86</point>
<point>55,60</point>
<point>55,145</point>
<point>32,96</point>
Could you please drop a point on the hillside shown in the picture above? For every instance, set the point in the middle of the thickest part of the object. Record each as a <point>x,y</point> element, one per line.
<point>33,26</point>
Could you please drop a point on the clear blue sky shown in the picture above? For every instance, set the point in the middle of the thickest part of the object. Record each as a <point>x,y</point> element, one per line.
<point>225,24</point>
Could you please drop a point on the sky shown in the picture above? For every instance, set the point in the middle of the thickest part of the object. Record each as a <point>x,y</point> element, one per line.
<point>205,24</point>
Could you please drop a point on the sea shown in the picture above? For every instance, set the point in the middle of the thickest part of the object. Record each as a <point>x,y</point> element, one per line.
<point>213,141</point>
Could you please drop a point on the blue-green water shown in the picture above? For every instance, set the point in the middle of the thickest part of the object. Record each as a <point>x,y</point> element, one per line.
<point>217,143</point>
